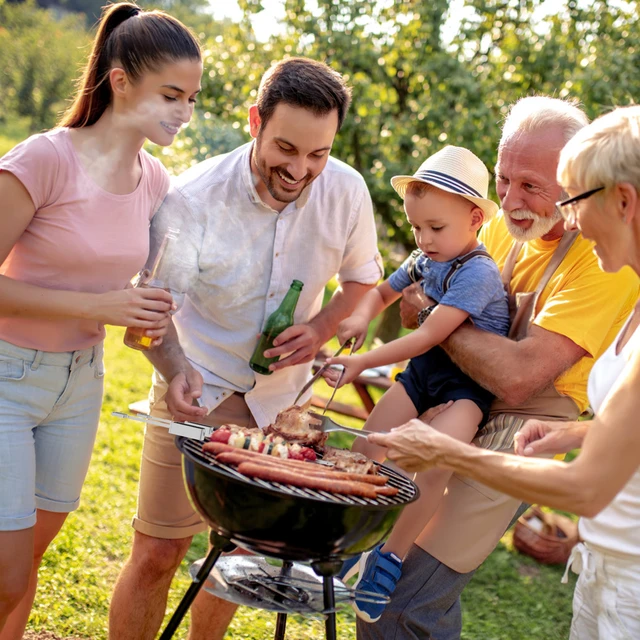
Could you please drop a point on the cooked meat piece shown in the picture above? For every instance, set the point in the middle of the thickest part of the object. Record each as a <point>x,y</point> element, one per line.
<point>293,424</point>
<point>349,461</point>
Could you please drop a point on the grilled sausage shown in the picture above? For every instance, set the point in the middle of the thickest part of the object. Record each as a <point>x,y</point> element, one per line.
<point>387,491</point>
<point>237,457</point>
<point>218,447</point>
<point>307,481</point>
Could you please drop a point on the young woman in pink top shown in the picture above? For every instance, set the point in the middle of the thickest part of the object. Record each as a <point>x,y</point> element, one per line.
<point>75,207</point>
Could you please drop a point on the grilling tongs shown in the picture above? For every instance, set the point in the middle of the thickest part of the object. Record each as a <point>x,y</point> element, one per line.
<point>322,369</point>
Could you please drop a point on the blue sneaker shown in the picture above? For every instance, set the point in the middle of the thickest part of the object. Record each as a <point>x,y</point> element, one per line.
<point>379,574</point>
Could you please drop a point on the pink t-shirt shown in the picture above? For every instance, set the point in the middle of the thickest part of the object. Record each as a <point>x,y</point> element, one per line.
<point>81,238</point>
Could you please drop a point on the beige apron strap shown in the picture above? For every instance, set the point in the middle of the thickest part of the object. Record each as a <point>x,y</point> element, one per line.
<point>558,256</point>
<point>510,263</point>
<point>522,305</point>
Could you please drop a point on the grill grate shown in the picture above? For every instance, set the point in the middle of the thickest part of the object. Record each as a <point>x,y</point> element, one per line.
<point>406,488</point>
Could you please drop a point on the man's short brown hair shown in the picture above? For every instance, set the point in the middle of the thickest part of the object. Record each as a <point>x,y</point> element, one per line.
<point>301,82</point>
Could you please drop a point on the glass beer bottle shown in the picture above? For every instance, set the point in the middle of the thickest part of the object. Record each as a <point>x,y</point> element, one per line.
<point>135,337</point>
<point>277,322</point>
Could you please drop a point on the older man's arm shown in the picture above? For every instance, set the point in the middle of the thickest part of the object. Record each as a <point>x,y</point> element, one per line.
<point>512,371</point>
<point>302,341</point>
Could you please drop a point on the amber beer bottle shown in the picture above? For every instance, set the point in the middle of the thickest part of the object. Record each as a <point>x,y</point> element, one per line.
<point>277,322</point>
<point>156,278</point>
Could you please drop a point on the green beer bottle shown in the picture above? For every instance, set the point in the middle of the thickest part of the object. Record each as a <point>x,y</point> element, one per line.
<point>277,322</point>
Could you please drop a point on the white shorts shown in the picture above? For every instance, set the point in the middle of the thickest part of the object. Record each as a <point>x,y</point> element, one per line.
<point>606,602</point>
<point>49,413</point>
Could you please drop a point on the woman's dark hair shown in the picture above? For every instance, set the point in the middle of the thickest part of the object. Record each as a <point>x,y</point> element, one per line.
<point>301,82</point>
<point>135,40</point>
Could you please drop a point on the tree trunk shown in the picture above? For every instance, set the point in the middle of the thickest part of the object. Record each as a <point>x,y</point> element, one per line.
<point>390,324</point>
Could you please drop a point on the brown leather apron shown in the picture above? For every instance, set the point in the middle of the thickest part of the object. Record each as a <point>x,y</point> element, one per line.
<point>472,517</point>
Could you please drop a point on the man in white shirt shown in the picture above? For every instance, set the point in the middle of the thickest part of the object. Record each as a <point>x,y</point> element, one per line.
<point>251,221</point>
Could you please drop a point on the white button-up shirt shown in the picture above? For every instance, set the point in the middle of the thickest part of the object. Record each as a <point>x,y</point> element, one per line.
<point>236,258</point>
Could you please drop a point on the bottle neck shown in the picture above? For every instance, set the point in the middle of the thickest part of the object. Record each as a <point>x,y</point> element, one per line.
<point>290,300</point>
<point>157,263</point>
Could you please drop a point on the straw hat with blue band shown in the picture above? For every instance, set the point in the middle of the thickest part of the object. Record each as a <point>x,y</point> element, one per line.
<point>455,170</point>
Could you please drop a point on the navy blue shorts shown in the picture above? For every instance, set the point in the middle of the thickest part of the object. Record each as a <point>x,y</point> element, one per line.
<point>432,379</point>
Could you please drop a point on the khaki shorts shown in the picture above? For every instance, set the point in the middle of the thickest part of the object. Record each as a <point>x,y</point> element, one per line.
<point>164,510</point>
<point>472,517</point>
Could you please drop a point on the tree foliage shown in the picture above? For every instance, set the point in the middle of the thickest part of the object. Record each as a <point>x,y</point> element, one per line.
<point>421,78</point>
<point>40,56</point>
<point>418,86</point>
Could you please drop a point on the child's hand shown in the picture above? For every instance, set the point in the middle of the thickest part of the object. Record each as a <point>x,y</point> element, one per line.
<point>353,327</point>
<point>353,367</point>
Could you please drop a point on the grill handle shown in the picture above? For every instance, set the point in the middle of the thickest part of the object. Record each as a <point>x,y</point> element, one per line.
<point>191,430</point>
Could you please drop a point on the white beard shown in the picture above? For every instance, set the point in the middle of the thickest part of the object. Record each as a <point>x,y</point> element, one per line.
<point>540,227</point>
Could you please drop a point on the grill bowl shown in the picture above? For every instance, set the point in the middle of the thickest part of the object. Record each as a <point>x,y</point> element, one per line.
<point>288,522</point>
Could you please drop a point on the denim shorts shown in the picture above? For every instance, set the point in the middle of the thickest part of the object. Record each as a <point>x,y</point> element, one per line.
<point>49,413</point>
<point>432,379</point>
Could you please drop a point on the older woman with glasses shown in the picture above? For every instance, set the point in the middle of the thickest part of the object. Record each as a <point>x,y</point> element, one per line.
<point>600,170</point>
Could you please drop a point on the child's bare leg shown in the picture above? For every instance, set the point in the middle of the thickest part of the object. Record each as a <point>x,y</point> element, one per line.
<point>392,410</point>
<point>460,421</point>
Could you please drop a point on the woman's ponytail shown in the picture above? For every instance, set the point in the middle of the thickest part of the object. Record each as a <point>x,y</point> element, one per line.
<point>137,41</point>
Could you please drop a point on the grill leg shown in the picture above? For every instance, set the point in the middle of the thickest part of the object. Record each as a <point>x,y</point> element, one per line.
<point>220,545</point>
<point>281,621</point>
<point>329,605</point>
<point>327,570</point>
<point>281,626</point>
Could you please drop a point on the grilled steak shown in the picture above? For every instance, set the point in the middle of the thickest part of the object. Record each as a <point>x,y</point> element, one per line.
<point>349,461</point>
<point>294,425</point>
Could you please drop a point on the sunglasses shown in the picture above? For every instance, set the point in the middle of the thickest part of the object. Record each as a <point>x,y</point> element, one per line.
<point>568,207</point>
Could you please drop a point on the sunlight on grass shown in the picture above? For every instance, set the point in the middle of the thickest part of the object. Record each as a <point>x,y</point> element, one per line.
<point>510,598</point>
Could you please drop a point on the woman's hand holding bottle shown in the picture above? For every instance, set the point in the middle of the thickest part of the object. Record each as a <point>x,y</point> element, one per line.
<point>147,309</point>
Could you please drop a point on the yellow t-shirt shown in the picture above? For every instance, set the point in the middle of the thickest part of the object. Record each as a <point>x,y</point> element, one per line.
<point>581,301</point>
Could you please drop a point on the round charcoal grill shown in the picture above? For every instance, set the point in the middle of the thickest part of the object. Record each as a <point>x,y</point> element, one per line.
<point>283,521</point>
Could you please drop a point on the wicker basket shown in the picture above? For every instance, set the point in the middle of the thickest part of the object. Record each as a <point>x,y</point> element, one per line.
<point>547,537</point>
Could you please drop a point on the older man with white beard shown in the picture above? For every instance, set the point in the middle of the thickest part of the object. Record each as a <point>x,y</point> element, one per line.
<point>566,312</point>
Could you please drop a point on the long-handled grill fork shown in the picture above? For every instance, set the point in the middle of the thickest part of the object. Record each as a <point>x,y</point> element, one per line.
<point>327,425</point>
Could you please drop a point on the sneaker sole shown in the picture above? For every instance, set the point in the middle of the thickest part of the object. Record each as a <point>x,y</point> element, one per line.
<point>363,615</point>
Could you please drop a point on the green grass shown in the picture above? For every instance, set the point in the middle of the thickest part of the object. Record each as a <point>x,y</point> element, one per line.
<point>510,598</point>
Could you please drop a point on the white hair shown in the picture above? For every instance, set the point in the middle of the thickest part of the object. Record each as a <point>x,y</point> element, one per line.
<point>537,113</point>
<point>605,153</point>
